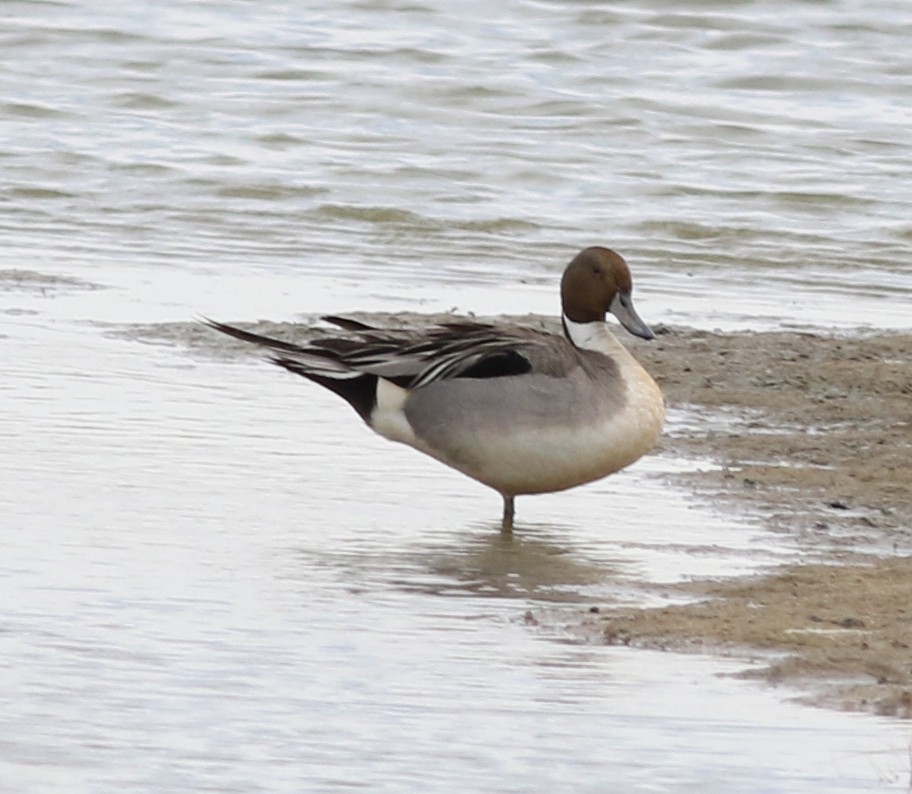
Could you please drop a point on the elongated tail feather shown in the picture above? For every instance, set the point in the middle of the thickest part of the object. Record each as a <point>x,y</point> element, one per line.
<point>321,366</point>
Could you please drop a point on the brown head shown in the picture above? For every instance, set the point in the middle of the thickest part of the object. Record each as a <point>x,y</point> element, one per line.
<point>596,282</point>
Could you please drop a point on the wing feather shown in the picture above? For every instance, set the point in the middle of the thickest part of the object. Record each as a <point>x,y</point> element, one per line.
<point>416,358</point>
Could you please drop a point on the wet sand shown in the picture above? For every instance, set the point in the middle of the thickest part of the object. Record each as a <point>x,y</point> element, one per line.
<point>813,435</point>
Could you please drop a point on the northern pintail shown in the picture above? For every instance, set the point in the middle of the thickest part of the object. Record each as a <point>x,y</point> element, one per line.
<point>520,410</point>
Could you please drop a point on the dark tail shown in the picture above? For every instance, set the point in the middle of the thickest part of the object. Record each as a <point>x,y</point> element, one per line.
<point>358,389</point>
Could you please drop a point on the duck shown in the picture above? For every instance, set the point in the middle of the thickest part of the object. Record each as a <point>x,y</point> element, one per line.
<point>520,410</point>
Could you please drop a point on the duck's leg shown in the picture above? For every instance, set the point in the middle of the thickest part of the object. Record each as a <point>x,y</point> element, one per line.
<point>506,525</point>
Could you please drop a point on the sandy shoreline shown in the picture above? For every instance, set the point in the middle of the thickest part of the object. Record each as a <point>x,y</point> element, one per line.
<point>816,442</point>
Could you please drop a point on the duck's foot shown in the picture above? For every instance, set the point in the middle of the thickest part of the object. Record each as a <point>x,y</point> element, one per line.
<point>506,526</point>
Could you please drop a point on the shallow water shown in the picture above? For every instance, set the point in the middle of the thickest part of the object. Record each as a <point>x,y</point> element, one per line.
<point>213,576</point>
<point>749,156</point>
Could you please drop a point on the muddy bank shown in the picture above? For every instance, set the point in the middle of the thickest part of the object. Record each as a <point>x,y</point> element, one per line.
<point>814,437</point>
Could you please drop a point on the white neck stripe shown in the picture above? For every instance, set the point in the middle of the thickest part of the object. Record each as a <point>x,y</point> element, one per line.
<point>583,335</point>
